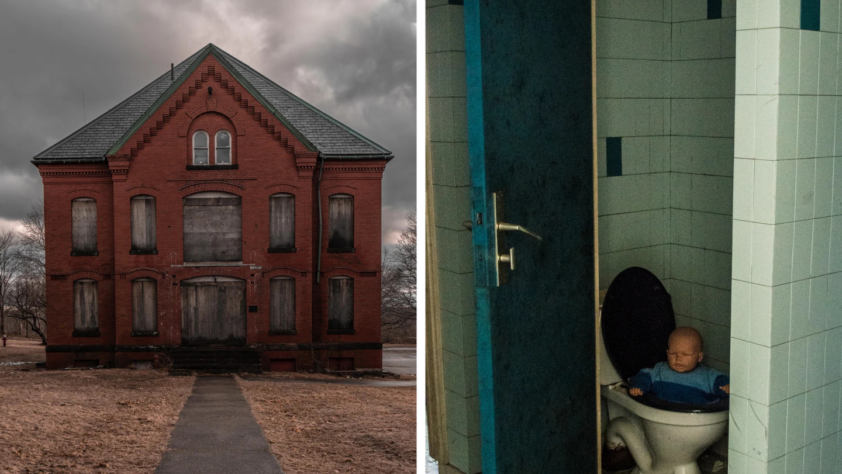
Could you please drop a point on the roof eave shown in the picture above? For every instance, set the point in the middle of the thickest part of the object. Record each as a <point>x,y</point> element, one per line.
<point>66,161</point>
<point>363,156</point>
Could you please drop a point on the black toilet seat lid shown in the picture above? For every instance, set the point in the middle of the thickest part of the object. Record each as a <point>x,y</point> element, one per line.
<point>637,319</point>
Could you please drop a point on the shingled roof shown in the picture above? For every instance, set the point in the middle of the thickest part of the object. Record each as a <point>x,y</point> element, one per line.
<point>318,131</point>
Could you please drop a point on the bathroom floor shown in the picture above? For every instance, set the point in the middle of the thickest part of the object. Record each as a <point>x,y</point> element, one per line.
<point>709,463</point>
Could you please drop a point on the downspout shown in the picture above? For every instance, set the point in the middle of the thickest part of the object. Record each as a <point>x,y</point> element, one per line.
<point>321,225</point>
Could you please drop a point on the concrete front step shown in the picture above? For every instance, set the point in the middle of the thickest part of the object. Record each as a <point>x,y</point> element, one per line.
<point>216,360</point>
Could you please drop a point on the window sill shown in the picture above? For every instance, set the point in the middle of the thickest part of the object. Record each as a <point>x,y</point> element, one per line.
<point>282,332</point>
<point>341,250</point>
<point>144,333</point>
<point>341,331</point>
<point>84,253</point>
<point>212,167</point>
<point>282,250</point>
<point>143,252</point>
<point>214,264</point>
<point>86,333</point>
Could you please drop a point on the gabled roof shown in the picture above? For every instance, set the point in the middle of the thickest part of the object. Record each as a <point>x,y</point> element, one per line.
<point>111,130</point>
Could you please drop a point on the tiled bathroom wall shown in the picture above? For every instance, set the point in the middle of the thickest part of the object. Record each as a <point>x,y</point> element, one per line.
<point>786,344</point>
<point>448,145</point>
<point>665,107</point>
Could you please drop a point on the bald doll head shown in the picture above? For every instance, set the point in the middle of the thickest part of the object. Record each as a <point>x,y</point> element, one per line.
<point>685,349</point>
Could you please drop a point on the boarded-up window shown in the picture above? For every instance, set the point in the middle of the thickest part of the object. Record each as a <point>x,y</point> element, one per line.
<point>213,228</point>
<point>144,306</point>
<point>85,313</point>
<point>282,222</point>
<point>340,317</point>
<point>213,311</point>
<point>83,215</point>
<point>282,301</point>
<point>341,222</point>
<point>144,239</point>
<point>223,148</point>
<point>200,148</point>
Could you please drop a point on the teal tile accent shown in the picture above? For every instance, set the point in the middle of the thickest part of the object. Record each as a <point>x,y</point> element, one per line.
<point>810,14</point>
<point>615,156</point>
<point>714,9</point>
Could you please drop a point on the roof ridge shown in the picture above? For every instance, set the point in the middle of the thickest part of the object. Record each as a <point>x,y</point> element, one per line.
<point>95,121</point>
<point>306,104</point>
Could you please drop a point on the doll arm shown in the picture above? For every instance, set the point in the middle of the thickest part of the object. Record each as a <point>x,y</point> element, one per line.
<point>722,386</point>
<point>641,383</point>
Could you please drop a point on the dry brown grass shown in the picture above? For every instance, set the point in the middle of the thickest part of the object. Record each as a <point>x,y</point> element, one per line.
<point>83,421</point>
<point>318,428</point>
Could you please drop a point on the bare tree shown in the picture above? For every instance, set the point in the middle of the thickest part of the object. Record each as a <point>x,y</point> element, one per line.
<point>398,285</point>
<point>28,303</point>
<point>26,297</point>
<point>32,242</point>
<point>9,271</point>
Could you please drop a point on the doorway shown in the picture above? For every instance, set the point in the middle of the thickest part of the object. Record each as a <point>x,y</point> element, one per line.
<point>213,311</point>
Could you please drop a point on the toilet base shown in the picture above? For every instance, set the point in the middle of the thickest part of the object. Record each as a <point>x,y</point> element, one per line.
<point>691,468</point>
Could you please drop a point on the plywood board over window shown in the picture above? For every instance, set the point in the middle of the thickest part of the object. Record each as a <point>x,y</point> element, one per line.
<point>341,305</point>
<point>83,232</point>
<point>282,223</point>
<point>213,228</point>
<point>85,310</point>
<point>144,307</point>
<point>341,223</point>
<point>144,239</point>
<point>282,302</point>
<point>213,311</point>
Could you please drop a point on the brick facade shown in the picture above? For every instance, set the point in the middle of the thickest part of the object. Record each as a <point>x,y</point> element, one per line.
<point>157,161</point>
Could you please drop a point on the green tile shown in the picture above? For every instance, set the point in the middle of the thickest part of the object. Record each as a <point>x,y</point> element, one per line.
<point>442,156</point>
<point>451,332</point>
<point>681,225</point>
<point>455,378</point>
<point>457,412</point>
<point>458,75</point>
<point>461,164</point>
<point>455,28</point>
<point>460,119</point>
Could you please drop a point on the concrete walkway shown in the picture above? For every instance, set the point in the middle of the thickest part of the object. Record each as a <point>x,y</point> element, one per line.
<point>217,433</point>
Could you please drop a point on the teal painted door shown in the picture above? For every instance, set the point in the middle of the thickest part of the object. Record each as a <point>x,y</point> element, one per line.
<point>530,139</point>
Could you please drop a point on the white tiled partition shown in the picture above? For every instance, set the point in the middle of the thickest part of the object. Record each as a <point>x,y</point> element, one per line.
<point>786,304</point>
<point>665,93</point>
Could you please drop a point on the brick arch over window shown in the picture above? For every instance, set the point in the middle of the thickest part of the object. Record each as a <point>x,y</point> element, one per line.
<point>211,123</point>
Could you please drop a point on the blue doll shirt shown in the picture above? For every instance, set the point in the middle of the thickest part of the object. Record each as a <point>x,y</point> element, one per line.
<point>699,386</point>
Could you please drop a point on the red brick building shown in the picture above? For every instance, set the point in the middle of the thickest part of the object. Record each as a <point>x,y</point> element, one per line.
<point>213,208</point>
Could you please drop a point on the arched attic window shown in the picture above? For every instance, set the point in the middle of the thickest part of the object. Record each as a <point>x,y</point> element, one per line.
<point>200,148</point>
<point>223,148</point>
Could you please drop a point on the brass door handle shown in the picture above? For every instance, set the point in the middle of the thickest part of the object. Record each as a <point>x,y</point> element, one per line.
<point>520,228</point>
<point>508,258</point>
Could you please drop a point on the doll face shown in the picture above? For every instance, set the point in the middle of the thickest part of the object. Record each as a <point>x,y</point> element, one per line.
<point>684,354</point>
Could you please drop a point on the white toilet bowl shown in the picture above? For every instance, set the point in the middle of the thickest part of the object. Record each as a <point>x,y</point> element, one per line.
<point>660,441</point>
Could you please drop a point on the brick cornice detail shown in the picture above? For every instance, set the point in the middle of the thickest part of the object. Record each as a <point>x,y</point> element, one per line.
<point>118,166</point>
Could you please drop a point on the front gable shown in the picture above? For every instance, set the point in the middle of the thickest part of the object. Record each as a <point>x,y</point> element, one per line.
<point>207,90</point>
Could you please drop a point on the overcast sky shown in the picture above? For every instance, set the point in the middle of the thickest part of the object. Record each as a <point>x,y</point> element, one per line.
<point>353,59</point>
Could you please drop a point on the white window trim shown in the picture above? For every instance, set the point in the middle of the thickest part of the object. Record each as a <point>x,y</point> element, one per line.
<point>196,133</point>
<point>217,148</point>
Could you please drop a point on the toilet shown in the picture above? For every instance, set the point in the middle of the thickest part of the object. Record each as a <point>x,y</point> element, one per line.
<point>663,437</point>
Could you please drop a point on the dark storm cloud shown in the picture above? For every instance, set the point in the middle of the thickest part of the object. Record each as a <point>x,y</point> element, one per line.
<point>355,60</point>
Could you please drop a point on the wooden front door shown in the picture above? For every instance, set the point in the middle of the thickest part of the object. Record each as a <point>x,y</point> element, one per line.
<point>531,147</point>
<point>213,311</point>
